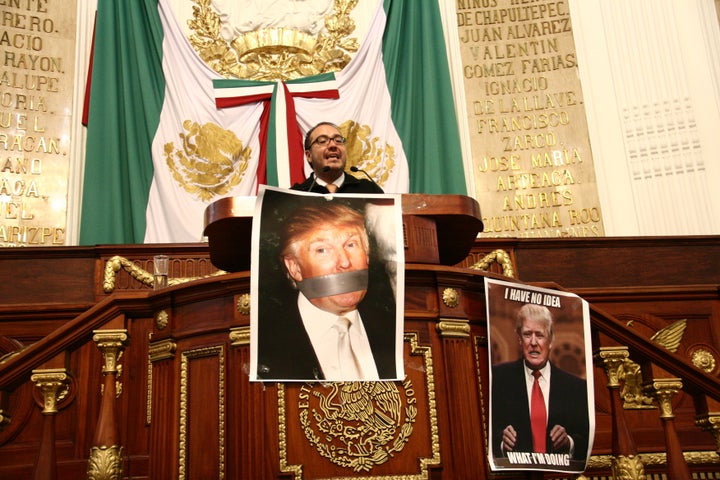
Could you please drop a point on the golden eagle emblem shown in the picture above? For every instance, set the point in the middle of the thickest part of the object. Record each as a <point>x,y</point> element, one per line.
<point>359,424</point>
<point>209,162</point>
<point>367,153</point>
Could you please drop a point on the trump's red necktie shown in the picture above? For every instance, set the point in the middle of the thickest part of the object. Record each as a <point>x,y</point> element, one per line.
<point>538,415</point>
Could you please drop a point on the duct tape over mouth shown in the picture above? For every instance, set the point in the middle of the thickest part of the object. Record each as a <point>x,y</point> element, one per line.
<point>334,284</point>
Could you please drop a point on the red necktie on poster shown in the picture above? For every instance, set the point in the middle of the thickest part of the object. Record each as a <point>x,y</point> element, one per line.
<point>538,415</point>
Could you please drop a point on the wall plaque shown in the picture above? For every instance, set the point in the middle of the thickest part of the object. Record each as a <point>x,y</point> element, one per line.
<point>532,164</point>
<point>37,45</point>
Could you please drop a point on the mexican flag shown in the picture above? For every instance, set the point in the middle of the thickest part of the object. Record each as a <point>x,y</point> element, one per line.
<point>162,144</point>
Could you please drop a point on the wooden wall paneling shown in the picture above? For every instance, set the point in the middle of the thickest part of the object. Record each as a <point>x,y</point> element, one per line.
<point>162,419</point>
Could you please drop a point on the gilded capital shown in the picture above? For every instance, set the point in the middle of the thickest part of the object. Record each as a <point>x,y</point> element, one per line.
<point>611,359</point>
<point>111,344</point>
<point>663,389</point>
<point>453,328</point>
<point>628,468</point>
<point>105,463</point>
<point>53,384</point>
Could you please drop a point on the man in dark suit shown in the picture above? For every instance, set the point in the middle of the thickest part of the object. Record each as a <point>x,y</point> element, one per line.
<point>325,251</point>
<point>565,425</point>
<point>325,152</point>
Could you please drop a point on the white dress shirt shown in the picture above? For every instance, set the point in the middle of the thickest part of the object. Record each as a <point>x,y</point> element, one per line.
<point>319,326</point>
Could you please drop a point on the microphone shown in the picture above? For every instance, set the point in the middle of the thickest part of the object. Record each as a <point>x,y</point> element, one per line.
<point>325,169</point>
<point>356,169</point>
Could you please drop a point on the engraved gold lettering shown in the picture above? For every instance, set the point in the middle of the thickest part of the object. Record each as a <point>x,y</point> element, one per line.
<point>29,82</point>
<point>33,62</point>
<point>554,178</point>
<point>27,22</point>
<point>39,6</point>
<point>19,101</point>
<point>555,158</point>
<point>18,188</point>
<point>499,164</point>
<point>530,201</point>
<point>29,143</point>
<point>466,4</point>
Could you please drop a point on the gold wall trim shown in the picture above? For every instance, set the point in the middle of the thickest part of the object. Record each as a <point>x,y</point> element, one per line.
<point>218,351</point>
<point>114,264</point>
<point>604,462</point>
<point>243,304</point>
<point>239,336</point>
<point>499,256</point>
<point>453,327</point>
<point>160,350</point>
<point>450,297</point>
<point>274,53</point>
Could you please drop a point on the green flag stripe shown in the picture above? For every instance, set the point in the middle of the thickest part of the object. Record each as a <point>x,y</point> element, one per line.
<point>125,104</point>
<point>423,111</point>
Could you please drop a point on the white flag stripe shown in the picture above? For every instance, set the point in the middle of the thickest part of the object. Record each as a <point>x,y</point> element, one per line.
<point>281,138</point>
<point>313,86</point>
<point>230,92</point>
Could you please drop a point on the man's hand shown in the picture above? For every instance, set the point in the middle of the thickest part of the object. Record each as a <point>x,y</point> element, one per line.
<point>509,438</point>
<point>559,438</point>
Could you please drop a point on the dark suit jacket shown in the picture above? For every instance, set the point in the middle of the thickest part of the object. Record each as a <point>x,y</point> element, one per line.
<point>510,406</point>
<point>284,348</point>
<point>350,185</point>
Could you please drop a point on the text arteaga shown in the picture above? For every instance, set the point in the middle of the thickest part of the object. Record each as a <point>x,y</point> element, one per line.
<point>533,458</point>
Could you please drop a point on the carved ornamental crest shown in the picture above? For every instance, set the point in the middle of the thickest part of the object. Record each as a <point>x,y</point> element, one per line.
<point>358,424</point>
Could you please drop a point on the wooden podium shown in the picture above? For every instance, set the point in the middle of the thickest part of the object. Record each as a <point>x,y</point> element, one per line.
<point>438,229</point>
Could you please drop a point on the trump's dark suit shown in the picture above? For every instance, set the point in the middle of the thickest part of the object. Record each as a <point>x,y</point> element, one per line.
<point>510,406</point>
<point>284,348</point>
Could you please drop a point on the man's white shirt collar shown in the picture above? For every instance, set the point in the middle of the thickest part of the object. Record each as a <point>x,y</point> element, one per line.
<point>338,181</point>
<point>319,327</point>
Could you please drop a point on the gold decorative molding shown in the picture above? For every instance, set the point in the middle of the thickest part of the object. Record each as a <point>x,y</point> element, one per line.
<point>274,54</point>
<point>114,264</point>
<point>218,351</point>
<point>105,463</point>
<point>670,336</point>
<point>243,304</point>
<point>629,467</point>
<point>451,297</point>
<point>160,350</point>
<point>611,359</point>
<point>499,256</point>
<point>111,344</point>
<point>663,389</point>
<point>358,425</point>
<point>711,423</point>
<point>455,327</point>
<point>5,419</point>
<point>54,386</point>
<point>625,374</point>
<point>239,336</point>
<point>4,358</point>
<point>162,319</point>
<point>630,374</point>
<point>704,360</point>
<point>604,462</point>
<point>388,403</point>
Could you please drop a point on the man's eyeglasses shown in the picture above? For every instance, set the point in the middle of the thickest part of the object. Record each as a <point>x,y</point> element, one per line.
<point>324,140</point>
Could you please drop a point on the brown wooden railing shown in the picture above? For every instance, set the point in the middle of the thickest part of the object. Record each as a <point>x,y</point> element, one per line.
<point>132,385</point>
